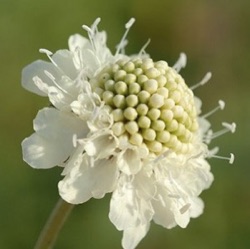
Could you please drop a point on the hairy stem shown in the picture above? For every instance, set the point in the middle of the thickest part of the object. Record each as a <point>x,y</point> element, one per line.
<point>54,224</point>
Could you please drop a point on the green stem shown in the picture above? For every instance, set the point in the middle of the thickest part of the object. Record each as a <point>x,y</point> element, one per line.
<point>54,224</point>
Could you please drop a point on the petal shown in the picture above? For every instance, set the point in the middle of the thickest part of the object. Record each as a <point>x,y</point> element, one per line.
<point>59,99</point>
<point>127,207</point>
<point>77,41</point>
<point>40,153</point>
<point>64,60</point>
<point>181,213</point>
<point>197,206</point>
<point>123,211</point>
<point>132,236</point>
<point>37,70</point>
<point>84,181</point>
<point>52,143</point>
<point>101,145</point>
<point>129,162</point>
<point>163,215</point>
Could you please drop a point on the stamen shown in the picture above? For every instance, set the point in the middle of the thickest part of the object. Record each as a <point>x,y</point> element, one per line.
<point>214,151</point>
<point>93,27</point>
<point>74,140</point>
<point>185,208</point>
<point>142,51</point>
<point>230,159</point>
<point>53,80</point>
<point>48,53</point>
<point>221,106</point>
<point>123,42</point>
<point>181,62</point>
<point>91,31</point>
<point>205,79</point>
<point>45,51</point>
<point>40,84</point>
<point>228,128</point>
<point>231,127</point>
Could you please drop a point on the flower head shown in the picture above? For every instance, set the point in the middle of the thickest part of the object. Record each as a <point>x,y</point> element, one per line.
<point>125,125</point>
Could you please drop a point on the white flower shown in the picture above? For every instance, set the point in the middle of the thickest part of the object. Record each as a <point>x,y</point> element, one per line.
<point>124,125</point>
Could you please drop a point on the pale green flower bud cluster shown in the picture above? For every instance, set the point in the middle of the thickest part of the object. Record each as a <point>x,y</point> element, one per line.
<point>150,103</point>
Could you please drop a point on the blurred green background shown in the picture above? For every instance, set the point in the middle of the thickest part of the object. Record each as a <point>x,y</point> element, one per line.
<point>216,37</point>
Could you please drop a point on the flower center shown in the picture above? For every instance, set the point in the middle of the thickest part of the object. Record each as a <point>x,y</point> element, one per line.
<point>150,104</point>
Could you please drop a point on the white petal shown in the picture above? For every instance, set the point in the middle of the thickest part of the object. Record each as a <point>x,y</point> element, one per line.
<point>84,181</point>
<point>64,60</point>
<point>197,207</point>
<point>181,214</point>
<point>129,162</point>
<point>41,153</point>
<point>127,207</point>
<point>59,99</point>
<point>77,41</point>
<point>52,143</point>
<point>132,236</point>
<point>123,212</point>
<point>163,215</point>
<point>101,146</point>
<point>37,69</point>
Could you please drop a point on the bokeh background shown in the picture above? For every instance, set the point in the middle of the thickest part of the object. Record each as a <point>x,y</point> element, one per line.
<point>216,37</point>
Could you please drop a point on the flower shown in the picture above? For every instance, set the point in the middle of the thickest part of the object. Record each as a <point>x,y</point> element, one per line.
<point>125,125</point>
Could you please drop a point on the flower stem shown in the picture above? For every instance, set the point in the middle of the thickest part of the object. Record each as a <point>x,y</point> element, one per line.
<point>54,224</point>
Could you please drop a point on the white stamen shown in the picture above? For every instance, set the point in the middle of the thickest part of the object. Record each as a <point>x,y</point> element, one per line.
<point>74,140</point>
<point>93,27</point>
<point>231,127</point>
<point>181,62</point>
<point>123,42</point>
<point>45,51</point>
<point>230,159</point>
<point>95,24</point>
<point>185,208</point>
<point>91,31</point>
<point>129,24</point>
<point>214,151</point>
<point>160,198</point>
<point>221,106</point>
<point>205,79</point>
<point>87,28</point>
<point>79,54</point>
<point>48,53</point>
<point>54,81</point>
<point>40,84</point>
<point>142,51</point>
<point>228,128</point>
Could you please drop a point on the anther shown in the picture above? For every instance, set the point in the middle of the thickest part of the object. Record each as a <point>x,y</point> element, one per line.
<point>221,106</point>
<point>122,43</point>
<point>230,127</point>
<point>230,159</point>
<point>91,31</point>
<point>227,128</point>
<point>205,79</point>
<point>49,54</point>
<point>181,62</point>
<point>45,51</point>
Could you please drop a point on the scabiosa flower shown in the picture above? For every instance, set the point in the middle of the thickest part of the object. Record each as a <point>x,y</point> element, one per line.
<point>125,125</point>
